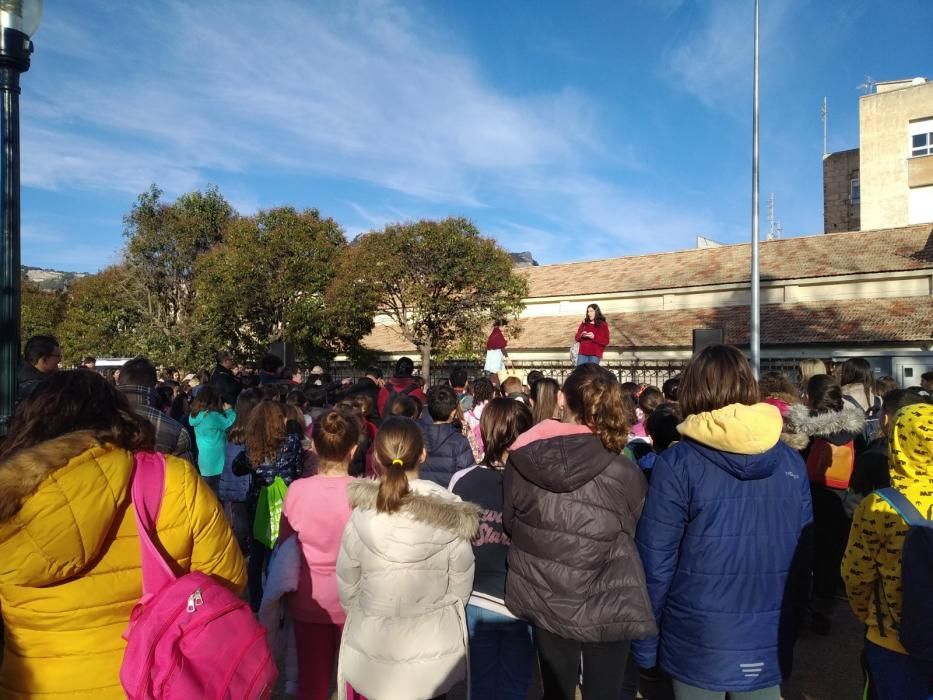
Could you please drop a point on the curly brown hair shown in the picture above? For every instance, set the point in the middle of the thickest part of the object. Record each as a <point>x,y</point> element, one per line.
<point>594,397</point>
<point>265,431</point>
<point>74,400</point>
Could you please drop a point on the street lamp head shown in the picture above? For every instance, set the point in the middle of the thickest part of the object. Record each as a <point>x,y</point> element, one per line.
<point>21,15</point>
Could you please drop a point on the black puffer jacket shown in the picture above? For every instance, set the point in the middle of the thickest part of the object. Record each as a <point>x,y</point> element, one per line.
<point>572,507</point>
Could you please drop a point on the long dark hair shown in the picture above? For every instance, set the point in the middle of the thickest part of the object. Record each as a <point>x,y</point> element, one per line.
<point>598,317</point>
<point>857,370</point>
<point>503,420</point>
<point>206,399</point>
<point>75,400</point>
<point>824,395</point>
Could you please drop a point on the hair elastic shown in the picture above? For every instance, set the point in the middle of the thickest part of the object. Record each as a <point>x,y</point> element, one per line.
<point>398,462</point>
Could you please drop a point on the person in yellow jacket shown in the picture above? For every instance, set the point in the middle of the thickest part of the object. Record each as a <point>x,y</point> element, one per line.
<point>69,552</point>
<point>872,561</point>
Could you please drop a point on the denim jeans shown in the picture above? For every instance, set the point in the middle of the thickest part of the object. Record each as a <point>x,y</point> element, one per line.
<point>501,655</point>
<point>587,359</point>
<point>897,676</point>
<point>682,691</point>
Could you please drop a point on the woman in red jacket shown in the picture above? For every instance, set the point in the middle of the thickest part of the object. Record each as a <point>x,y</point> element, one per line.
<point>593,336</point>
<point>496,355</point>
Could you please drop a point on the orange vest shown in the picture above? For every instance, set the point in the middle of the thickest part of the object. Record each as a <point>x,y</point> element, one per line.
<point>831,465</point>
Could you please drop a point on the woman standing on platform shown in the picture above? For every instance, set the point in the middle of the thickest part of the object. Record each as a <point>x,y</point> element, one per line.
<point>593,336</point>
<point>496,355</point>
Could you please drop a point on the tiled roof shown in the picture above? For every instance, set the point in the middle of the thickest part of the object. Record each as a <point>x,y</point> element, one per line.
<point>888,250</point>
<point>851,321</point>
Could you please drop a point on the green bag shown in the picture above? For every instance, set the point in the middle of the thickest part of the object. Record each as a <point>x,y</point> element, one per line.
<point>269,512</point>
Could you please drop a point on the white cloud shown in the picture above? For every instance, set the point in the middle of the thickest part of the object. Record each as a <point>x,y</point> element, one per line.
<point>714,61</point>
<point>362,91</point>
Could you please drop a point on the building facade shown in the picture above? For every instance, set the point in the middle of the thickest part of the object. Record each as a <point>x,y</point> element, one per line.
<point>896,154</point>
<point>867,294</point>
<point>841,192</point>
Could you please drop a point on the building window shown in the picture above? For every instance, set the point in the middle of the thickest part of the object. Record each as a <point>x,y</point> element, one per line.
<point>921,138</point>
<point>921,144</point>
<point>855,191</point>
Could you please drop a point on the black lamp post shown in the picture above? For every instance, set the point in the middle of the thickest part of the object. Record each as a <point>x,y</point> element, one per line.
<point>19,19</point>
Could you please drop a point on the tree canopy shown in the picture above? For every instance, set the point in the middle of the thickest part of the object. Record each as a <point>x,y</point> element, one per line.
<point>197,277</point>
<point>266,282</point>
<point>440,282</point>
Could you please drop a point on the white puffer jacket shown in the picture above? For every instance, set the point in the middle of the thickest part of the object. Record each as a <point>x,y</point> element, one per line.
<point>404,579</point>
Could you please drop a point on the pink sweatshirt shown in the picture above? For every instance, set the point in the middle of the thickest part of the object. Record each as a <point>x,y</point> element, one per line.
<point>317,509</point>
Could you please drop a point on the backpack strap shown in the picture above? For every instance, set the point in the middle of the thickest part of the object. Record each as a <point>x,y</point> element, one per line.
<point>147,491</point>
<point>907,510</point>
<point>851,400</point>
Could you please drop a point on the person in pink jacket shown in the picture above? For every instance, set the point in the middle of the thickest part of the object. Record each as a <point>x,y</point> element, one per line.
<point>593,336</point>
<point>317,509</point>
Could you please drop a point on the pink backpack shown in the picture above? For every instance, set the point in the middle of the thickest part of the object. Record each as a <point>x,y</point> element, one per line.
<point>188,637</point>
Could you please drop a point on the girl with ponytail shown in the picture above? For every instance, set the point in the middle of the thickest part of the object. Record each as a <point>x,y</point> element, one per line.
<point>316,509</point>
<point>405,573</point>
<point>572,503</point>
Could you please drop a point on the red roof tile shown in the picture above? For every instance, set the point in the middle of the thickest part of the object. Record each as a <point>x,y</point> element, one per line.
<point>888,250</point>
<point>851,322</point>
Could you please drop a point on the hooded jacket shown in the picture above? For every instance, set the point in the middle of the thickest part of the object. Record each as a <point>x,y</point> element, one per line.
<point>571,507</point>
<point>448,452</point>
<point>722,541</point>
<point>70,561</point>
<point>404,579</point>
<point>408,386</point>
<point>877,536</point>
<point>830,455</point>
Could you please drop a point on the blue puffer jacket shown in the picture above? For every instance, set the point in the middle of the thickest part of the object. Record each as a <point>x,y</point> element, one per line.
<point>448,452</point>
<point>724,540</point>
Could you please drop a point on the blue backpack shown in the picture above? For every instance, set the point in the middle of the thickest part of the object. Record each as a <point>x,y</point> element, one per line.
<point>916,629</point>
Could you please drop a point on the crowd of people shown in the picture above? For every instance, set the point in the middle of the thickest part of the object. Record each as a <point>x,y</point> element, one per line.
<point>506,532</point>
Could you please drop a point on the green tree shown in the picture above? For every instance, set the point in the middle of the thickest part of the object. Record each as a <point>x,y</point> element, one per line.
<point>440,282</point>
<point>101,319</point>
<point>266,282</point>
<point>41,310</point>
<point>163,243</point>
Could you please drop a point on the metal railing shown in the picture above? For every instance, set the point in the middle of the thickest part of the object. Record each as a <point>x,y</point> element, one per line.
<point>653,372</point>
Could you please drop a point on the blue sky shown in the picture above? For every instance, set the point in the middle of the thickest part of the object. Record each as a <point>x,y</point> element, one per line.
<point>573,130</point>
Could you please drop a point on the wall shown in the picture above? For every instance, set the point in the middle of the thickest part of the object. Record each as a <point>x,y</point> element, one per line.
<point>840,213</point>
<point>886,197</point>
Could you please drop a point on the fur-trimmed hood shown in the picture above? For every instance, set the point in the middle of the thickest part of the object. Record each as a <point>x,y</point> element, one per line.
<point>430,518</point>
<point>837,427</point>
<point>58,502</point>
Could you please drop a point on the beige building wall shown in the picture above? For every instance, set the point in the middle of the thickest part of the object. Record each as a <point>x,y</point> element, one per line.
<point>840,204</point>
<point>887,200</point>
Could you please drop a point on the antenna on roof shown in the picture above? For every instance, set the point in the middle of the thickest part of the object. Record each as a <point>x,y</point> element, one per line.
<point>771,217</point>
<point>868,87</point>
<point>825,121</point>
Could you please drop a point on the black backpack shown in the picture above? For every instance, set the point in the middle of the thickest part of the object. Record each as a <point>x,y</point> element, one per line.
<point>393,395</point>
<point>915,631</point>
<point>872,427</point>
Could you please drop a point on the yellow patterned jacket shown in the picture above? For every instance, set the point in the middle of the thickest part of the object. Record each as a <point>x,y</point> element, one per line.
<point>877,537</point>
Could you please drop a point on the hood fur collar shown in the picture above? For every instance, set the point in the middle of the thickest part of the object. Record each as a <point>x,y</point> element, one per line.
<point>849,420</point>
<point>456,516</point>
<point>23,472</point>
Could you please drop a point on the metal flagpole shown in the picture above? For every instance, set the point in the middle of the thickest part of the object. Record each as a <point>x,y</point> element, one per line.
<point>755,325</point>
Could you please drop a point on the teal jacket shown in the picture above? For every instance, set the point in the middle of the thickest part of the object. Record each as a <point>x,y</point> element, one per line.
<point>210,430</point>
